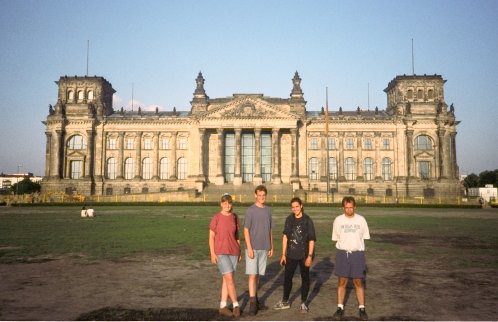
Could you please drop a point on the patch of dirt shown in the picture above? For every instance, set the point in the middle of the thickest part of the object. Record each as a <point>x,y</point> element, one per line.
<point>170,287</point>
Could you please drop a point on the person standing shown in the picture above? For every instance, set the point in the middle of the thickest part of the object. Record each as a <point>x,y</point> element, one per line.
<point>259,243</point>
<point>224,246</point>
<point>350,231</point>
<point>298,244</point>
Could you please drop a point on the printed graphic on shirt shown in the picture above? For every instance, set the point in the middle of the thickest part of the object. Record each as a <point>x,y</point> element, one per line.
<point>353,228</point>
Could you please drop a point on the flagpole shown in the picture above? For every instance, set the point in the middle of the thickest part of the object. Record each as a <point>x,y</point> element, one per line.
<point>327,165</point>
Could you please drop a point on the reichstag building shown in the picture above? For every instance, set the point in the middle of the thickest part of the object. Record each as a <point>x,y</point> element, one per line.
<point>406,149</point>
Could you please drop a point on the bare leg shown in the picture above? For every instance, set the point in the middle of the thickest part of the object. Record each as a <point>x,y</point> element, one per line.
<point>230,286</point>
<point>341,289</point>
<point>360,292</point>
<point>224,290</point>
<point>253,283</point>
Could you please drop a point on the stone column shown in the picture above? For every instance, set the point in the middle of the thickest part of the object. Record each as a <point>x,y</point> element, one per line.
<point>48,149</point>
<point>89,154</point>
<point>276,179</point>
<point>155,159</point>
<point>121,156</point>
<point>377,162</point>
<point>173,156</point>
<point>359,157</point>
<point>59,154</point>
<point>409,153</point>
<point>341,176</point>
<point>201,154</point>
<point>323,163</point>
<point>258,179</point>
<point>220,180</point>
<point>454,167</point>
<point>443,170</point>
<point>138,155</point>
<point>237,180</point>
<point>294,151</point>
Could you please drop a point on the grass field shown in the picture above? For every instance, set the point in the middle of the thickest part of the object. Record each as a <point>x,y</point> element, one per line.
<point>462,242</point>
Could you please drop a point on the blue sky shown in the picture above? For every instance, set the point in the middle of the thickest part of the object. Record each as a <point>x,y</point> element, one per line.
<point>247,47</point>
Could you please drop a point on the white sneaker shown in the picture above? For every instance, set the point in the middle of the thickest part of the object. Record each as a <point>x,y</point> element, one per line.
<point>304,308</point>
<point>282,305</point>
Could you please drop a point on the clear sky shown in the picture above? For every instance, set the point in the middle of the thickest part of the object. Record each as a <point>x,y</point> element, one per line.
<point>246,47</point>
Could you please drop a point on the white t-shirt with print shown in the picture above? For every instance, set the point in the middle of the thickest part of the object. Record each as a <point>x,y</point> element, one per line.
<point>350,233</point>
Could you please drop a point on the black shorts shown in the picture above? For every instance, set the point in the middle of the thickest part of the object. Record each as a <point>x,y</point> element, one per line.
<point>350,264</point>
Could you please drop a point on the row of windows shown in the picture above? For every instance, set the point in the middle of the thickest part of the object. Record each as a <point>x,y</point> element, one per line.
<point>129,168</point>
<point>410,94</point>
<point>164,143</point>
<point>80,94</point>
<point>350,169</point>
<point>422,142</point>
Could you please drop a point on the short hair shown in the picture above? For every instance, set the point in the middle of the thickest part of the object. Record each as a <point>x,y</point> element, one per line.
<point>260,188</point>
<point>226,197</point>
<point>348,199</point>
<point>296,199</point>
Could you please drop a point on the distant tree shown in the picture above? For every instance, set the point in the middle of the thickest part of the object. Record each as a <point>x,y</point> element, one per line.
<point>488,177</point>
<point>25,186</point>
<point>471,181</point>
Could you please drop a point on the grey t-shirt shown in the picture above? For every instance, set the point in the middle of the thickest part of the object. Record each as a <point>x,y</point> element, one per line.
<point>258,221</point>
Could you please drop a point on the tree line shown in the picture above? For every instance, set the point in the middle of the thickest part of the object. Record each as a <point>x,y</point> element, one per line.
<point>486,177</point>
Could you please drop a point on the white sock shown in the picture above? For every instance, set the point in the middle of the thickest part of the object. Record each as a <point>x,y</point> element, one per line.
<point>341,306</point>
<point>361,306</point>
<point>235,304</point>
<point>223,304</point>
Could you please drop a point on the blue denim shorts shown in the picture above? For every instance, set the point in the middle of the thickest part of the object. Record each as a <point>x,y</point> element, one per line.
<point>256,265</point>
<point>227,263</point>
<point>350,264</point>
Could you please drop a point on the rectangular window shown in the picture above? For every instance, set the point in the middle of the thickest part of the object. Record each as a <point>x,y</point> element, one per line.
<point>165,143</point>
<point>129,143</point>
<point>349,144</point>
<point>147,144</point>
<point>112,144</point>
<point>229,157</point>
<point>248,150</point>
<point>367,144</point>
<point>386,144</point>
<point>266,157</point>
<point>332,145</point>
<point>314,143</point>
<point>332,168</point>
<point>182,143</point>
<point>76,169</point>
<point>424,169</point>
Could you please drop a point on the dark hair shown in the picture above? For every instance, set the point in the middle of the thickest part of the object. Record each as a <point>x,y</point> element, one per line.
<point>348,199</point>
<point>261,188</point>
<point>226,197</point>
<point>296,199</point>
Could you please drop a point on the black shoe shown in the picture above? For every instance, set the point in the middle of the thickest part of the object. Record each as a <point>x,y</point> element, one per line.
<point>338,314</point>
<point>363,315</point>
<point>253,308</point>
<point>261,305</point>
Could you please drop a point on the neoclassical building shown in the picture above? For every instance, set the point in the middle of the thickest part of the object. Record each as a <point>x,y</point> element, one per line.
<point>408,149</point>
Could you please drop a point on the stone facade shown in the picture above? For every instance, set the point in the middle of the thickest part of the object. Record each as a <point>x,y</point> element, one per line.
<point>408,149</point>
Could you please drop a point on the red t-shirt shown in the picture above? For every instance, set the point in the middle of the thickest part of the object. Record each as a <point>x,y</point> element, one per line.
<point>226,230</point>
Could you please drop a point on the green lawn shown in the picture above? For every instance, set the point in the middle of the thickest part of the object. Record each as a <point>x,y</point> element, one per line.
<point>41,233</point>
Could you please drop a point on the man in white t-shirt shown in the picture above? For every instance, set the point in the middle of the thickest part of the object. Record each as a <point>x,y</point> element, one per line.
<point>349,231</point>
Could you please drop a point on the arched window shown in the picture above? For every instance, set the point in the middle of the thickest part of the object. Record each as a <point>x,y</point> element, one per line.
<point>129,168</point>
<point>409,94</point>
<point>182,168</point>
<point>368,168</point>
<point>423,142</point>
<point>350,169</point>
<point>90,95</point>
<point>164,168</point>
<point>146,168</point>
<point>313,168</point>
<point>430,94</point>
<point>333,168</point>
<point>70,95</point>
<point>387,169</point>
<point>81,95</point>
<point>77,142</point>
<point>420,94</point>
<point>111,168</point>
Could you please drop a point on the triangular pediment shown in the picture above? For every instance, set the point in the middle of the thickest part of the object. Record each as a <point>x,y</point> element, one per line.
<point>75,153</point>
<point>249,107</point>
<point>424,154</point>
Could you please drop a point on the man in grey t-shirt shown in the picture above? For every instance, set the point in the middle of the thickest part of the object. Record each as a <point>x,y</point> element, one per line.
<point>259,243</point>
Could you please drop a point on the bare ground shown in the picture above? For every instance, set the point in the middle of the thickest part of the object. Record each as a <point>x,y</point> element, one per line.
<point>174,288</point>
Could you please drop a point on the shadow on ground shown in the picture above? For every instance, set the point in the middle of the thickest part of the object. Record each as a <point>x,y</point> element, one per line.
<point>151,314</point>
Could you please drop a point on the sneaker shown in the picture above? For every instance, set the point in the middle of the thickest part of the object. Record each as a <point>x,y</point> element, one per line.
<point>225,312</point>
<point>363,315</point>
<point>338,314</point>
<point>282,305</point>
<point>236,311</point>
<point>253,308</point>
<point>304,308</point>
